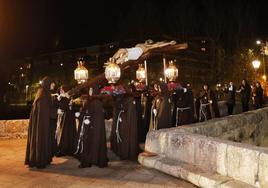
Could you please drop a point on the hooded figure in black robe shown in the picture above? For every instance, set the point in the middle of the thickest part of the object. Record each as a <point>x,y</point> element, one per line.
<point>137,98</point>
<point>208,104</point>
<point>39,147</point>
<point>245,92</point>
<point>161,109</point>
<point>147,100</point>
<point>184,112</point>
<point>92,146</point>
<point>53,120</point>
<point>124,135</point>
<point>66,125</point>
<point>258,96</point>
<point>230,101</point>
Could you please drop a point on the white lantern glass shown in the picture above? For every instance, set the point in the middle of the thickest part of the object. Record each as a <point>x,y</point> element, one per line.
<point>171,72</point>
<point>80,73</point>
<point>112,73</point>
<point>141,73</point>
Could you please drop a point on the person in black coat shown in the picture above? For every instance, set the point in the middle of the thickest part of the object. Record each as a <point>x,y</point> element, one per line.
<point>208,104</point>
<point>245,92</point>
<point>258,96</point>
<point>92,146</point>
<point>137,98</point>
<point>53,119</point>
<point>39,146</point>
<point>184,112</point>
<point>124,134</point>
<point>161,109</point>
<point>230,90</point>
<point>147,99</point>
<point>66,125</point>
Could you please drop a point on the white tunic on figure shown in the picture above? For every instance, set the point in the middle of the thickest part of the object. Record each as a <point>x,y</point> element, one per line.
<point>134,53</point>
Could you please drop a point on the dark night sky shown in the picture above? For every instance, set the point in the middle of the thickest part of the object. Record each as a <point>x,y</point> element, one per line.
<point>32,27</point>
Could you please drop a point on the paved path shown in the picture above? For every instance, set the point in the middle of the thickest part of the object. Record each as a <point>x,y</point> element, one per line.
<point>64,172</point>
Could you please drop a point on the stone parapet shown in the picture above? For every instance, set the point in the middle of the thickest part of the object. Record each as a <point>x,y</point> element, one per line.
<point>191,173</point>
<point>10,129</point>
<point>239,161</point>
<point>14,128</point>
<point>249,127</point>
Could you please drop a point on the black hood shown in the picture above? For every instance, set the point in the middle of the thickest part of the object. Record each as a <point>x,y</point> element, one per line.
<point>46,82</point>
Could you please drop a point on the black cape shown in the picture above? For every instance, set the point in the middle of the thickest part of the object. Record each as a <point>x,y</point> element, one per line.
<point>39,147</point>
<point>124,136</point>
<point>184,112</point>
<point>94,150</point>
<point>66,128</point>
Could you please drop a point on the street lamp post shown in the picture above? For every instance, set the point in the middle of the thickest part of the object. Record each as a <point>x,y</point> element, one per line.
<point>256,65</point>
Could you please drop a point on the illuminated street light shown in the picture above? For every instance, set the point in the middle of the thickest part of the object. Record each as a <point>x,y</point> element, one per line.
<point>256,64</point>
<point>264,77</point>
<point>258,42</point>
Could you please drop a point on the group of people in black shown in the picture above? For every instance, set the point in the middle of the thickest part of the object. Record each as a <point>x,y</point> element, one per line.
<point>57,128</point>
<point>247,93</point>
<point>53,129</point>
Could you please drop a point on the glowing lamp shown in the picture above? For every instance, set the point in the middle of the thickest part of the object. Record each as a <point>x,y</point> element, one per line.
<point>141,73</point>
<point>112,72</point>
<point>256,64</point>
<point>80,73</point>
<point>171,72</point>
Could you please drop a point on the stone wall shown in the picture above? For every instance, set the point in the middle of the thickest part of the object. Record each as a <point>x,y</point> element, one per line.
<point>224,111</point>
<point>208,145</point>
<point>14,128</point>
<point>249,127</point>
<point>246,163</point>
<point>18,128</point>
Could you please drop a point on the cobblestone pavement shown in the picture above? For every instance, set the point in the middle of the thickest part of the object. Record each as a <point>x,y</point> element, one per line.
<point>64,172</point>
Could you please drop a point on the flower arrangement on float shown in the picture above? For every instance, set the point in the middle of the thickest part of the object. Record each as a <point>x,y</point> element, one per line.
<point>140,86</point>
<point>113,74</point>
<point>172,86</point>
<point>114,90</point>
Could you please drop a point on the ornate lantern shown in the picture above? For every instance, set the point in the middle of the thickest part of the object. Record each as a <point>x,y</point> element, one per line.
<point>112,72</point>
<point>80,73</point>
<point>141,73</point>
<point>171,72</point>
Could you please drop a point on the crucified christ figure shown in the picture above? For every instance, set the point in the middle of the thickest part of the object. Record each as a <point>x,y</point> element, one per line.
<point>125,54</point>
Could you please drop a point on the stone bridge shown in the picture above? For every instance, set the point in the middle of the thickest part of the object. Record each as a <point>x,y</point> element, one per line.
<point>223,152</point>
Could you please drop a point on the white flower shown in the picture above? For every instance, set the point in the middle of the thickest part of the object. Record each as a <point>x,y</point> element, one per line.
<point>77,114</point>
<point>87,121</point>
